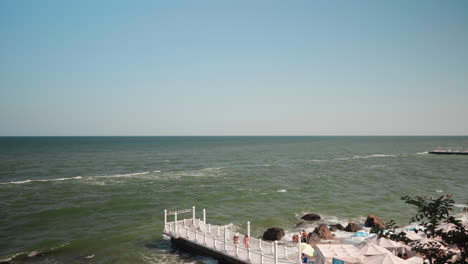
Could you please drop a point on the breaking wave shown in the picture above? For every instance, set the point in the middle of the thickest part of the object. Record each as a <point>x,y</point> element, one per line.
<point>81,177</point>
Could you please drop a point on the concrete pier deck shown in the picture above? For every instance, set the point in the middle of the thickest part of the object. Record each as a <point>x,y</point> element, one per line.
<point>195,235</point>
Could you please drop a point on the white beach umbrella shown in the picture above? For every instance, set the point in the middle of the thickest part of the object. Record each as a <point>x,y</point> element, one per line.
<point>373,249</point>
<point>414,236</point>
<point>384,259</point>
<point>384,242</point>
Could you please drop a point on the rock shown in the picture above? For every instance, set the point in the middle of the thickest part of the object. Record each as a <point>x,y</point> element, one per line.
<point>352,227</point>
<point>336,227</point>
<point>313,238</point>
<point>311,217</point>
<point>273,233</point>
<point>373,220</point>
<point>323,232</point>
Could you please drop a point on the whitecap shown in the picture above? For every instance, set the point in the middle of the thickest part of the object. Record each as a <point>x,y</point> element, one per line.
<point>439,191</point>
<point>281,191</point>
<point>43,180</point>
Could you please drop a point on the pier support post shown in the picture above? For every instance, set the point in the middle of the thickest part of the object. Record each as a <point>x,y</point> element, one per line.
<point>299,247</point>
<point>225,238</point>
<point>193,214</point>
<point>204,216</point>
<point>276,251</point>
<point>175,224</point>
<point>248,228</point>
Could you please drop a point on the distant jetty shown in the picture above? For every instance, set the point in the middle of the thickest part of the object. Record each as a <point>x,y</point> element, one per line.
<point>449,151</point>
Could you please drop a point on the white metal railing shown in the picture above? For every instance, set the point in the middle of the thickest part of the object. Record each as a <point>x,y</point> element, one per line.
<point>219,238</point>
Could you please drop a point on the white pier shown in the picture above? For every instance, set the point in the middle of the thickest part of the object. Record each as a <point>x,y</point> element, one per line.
<point>219,241</point>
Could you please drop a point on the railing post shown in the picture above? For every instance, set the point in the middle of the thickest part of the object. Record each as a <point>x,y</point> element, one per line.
<point>175,224</point>
<point>276,251</point>
<point>248,228</point>
<point>261,258</point>
<point>214,242</point>
<point>218,231</point>
<point>272,248</point>
<point>225,239</point>
<point>165,218</point>
<point>193,215</point>
<point>299,246</point>
<point>237,250</point>
<point>248,254</point>
<point>260,245</point>
<point>204,216</point>
<point>204,238</point>
<point>209,229</point>
<point>187,232</point>
<point>285,252</point>
<point>196,235</point>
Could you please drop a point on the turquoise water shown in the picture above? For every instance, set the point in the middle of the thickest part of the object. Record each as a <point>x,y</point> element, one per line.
<point>101,199</point>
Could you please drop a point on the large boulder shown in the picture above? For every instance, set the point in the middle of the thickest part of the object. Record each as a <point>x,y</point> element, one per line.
<point>313,238</point>
<point>373,220</point>
<point>273,233</point>
<point>311,217</point>
<point>336,227</point>
<point>352,227</point>
<point>323,232</point>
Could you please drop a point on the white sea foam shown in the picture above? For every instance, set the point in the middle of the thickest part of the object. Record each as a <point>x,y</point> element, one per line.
<point>123,175</point>
<point>282,191</point>
<point>316,160</point>
<point>422,153</point>
<point>439,191</point>
<point>81,177</point>
<point>43,180</point>
<point>369,156</point>
<point>460,205</point>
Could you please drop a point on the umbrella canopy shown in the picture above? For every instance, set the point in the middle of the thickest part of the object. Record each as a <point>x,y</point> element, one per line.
<point>384,259</point>
<point>373,249</point>
<point>307,249</point>
<point>415,260</point>
<point>384,242</point>
<point>414,236</point>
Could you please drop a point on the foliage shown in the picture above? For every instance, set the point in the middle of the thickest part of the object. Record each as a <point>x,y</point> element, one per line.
<point>431,214</point>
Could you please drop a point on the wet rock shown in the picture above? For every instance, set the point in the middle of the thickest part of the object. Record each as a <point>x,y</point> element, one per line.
<point>311,217</point>
<point>313,238</point>
<point>323,232</point>
<point>273,233</point>
<point>336,227</point>
<point>352,227</point>
<point>373,220</point>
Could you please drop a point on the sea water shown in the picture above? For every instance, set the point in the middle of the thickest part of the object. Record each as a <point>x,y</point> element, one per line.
<point>101,199</point>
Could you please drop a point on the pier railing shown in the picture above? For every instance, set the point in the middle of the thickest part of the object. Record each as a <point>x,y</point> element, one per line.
<point>221,239</point>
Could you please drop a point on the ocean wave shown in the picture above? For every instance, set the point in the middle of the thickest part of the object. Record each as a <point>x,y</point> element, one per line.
<point>369,156</point>
<point>32,253</point>
<point>43,180</point>
<point>80,177</point>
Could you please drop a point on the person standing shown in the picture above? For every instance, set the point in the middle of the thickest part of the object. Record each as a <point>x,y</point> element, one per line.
<point>304,236</point>
<point>246,241</point>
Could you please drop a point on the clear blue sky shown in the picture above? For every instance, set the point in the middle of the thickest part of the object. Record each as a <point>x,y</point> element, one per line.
<point>233,67</point>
